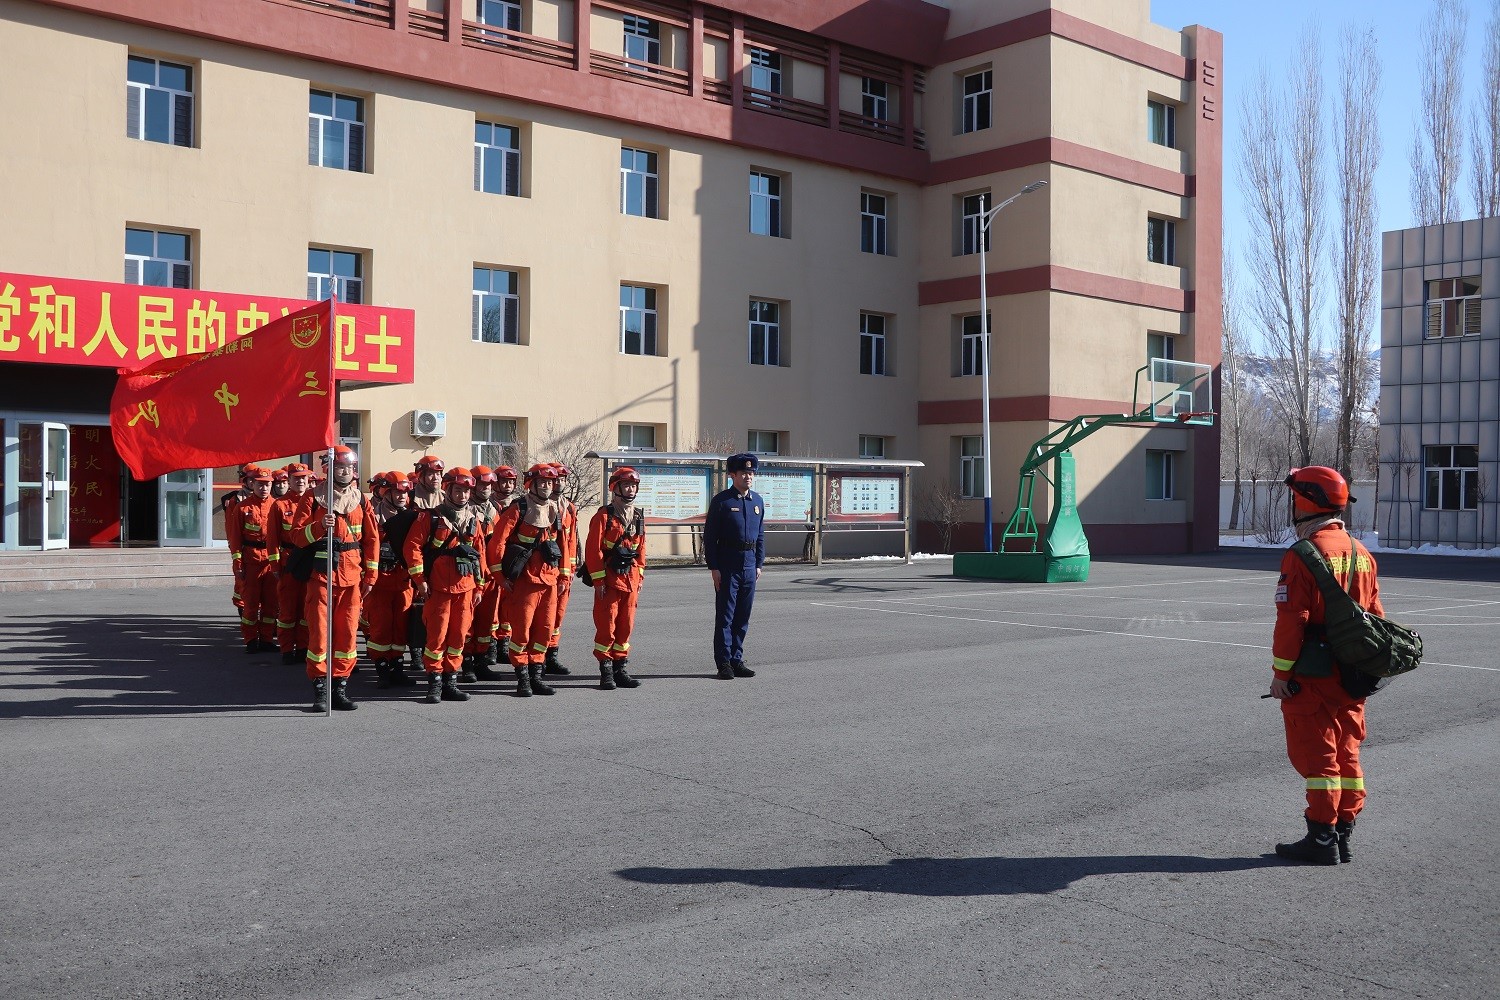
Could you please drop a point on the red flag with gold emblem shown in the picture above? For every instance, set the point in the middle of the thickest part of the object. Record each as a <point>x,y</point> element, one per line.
<point>263,395</point>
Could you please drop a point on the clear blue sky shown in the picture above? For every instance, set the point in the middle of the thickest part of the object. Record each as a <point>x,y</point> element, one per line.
<point>1266,33</point>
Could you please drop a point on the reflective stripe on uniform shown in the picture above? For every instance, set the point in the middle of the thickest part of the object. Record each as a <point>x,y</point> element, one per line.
<point>1285,666</point>
<point>1322,784</point>
<point>1355,784</point>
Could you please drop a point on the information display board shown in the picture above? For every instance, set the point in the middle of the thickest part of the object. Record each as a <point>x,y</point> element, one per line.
<point>863,496</point>
<point>674,494</point>
<point>788,493</point>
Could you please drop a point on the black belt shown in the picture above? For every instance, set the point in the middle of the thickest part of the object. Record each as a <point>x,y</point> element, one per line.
<point>252,545</point>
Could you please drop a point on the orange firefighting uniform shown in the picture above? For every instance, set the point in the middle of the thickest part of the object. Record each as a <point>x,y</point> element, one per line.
<point>356,540</point>
<point>247,526</point>
<point>449,609</point>
<point>530,601</point>
<point>291,626</point>
<point>568,541</point>
<point>616,594</point>
<point>388,602</point>
<point>487,608</point>
<point>1324,725</point>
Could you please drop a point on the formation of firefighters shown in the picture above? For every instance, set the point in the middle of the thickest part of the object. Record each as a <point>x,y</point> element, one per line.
<point>487,567</point>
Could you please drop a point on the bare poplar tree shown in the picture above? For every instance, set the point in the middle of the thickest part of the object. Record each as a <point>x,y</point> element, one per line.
<point>1282,175</point>
<point>1356,142</point>
<point>1485,123</point>
<point>1437,143</point>
<point>1232,387</point>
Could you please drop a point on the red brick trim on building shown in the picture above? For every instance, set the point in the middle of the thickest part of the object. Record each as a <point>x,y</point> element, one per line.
<point>1066,154</point>
<point>1010,409</point>
<point>1052,278</point>
<point>1075,29</point>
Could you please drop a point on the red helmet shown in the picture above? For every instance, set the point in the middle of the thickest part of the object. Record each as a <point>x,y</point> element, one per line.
<point>429,463</point>
<point>398,481</point>
<point>458,476</point>
<point>624,474</point>
<point>483,474</point>
<point>540,470</point>
<point>342,455</point>
<point>1317,489</point>
<point>504,472</point>
<point>563,472</point>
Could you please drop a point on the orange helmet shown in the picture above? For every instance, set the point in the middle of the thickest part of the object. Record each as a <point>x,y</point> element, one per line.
<point>541,470</point>
<point>429,463</point>
<point>624,474</point>
<point>1317,489</point>
<point>563,472</point>
<point>398,481</point>
<point>482,474</point>
<point>458,476</point>
<point>342,455</point>
<point>504,472</point>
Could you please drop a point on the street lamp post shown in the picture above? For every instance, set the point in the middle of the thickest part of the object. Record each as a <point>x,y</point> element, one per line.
<point>984,354</point>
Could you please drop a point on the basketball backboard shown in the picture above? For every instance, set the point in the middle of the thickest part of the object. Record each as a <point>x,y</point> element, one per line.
<point>1175,392</point>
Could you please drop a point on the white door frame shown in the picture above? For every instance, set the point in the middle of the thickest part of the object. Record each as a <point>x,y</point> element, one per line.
<point>200,484</point>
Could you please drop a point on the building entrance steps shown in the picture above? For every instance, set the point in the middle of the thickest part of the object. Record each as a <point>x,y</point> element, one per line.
<point>88,569</point>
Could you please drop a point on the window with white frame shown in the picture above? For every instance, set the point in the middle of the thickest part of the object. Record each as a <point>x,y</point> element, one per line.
<point>765,332</point>
<point>871,446</point>
<point>1452,477</point>
<point>637,319</point>
<point>872,344</point>
<point>352,430</point>
<point>639,183</point>
<point>972,210</point>
<point>496,308</point>
<point>637,437</point>
<point>158,101</point>
<point>765,70</point>
<point>969,358</point>
<point>1161,240</point>
<point>971,466</point>
<point>497,158</point>
<point>162,259</point>
<point>765,204</point>
<point>642,40</point>
<point>495,442</point>
<point>764,443</point>
<point>1452,308</point>
<point>1161,123</point>
<point>1161,475</point>
<point>874,223</point>
<point>975,112</point>
<point>339,273</point>
<point>336,131</point>
<point>1161,345</point>
<point>874,99</point>
<point>502,14</point>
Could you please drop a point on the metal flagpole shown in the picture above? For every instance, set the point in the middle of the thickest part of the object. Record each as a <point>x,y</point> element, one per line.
<point>328,509</point>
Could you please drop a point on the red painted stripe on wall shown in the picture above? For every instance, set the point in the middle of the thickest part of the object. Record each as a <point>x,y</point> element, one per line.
<point>1055,22</point>
<point>1009,409</point>
<point>1051,278</point>
<point>1063,153</point>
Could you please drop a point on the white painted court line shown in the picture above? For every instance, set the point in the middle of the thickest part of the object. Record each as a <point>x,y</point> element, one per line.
<point>1058,588</point>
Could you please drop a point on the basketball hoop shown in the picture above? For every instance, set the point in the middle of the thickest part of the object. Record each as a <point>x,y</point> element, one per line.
<point>1183,418</point>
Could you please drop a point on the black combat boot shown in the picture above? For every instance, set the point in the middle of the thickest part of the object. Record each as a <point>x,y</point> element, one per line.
<point>1319,847</point>
<point>266,646</point>
<point>290,658</point>
<point>740,670</point>
<point>434,689</point>
<point>253,646</point>
<point>468,676</point>
<point>502,653</point>
<point>726,672</point>
<point>1344,829</point>
<point>623,679</point>
<point>482,669</point>
<point>382,673</point>
<point>523,683</point>
<point>538,685</point>
<point>320,695</point>
<point>492,653</point>
<point>451,690</point>
<point>554,665</point>
<point>606,675</point>
<point>397,673</point>
<point>341,702</point>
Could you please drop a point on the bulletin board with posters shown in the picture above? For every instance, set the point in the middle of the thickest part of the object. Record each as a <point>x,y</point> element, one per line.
<point>674,494</point>
<point>788,493</point>
<point>863,497</point>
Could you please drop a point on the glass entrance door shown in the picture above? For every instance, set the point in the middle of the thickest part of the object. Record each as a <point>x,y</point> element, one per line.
<point>183,508</point>
<point>43,485</point>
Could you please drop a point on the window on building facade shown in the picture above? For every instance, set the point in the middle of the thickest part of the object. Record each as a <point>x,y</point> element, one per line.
<point>1161,345</point>
<point>352,430</point>
<point>765,332</point>
<point>639,183</point>
<point>637,437</point>
<point>502,14</point>
<point>972,210</point>
<point>1161,123</point>
<point>975,112</point>
<point>1161,478</point>
<point>496,308</point>
<point>158,101</point>
<point>875,99</point>
<point>764,442</point>
<point>765,204</point>
<point>872,344</point>
<point>971,466</point>
<point>637,319</point>
<point>497,158</point>
<point>496,442</point>
<point>642,41</point>
<point>765,70</point>
<point>874,223</point>
<point>1452,308</point>
<point>969,357</point>
<point>336,131</point>
<point>162,259</point>
<point>1161,240</point>
<point>339,273</point>
<point>871,446</point>
<point>1452,477</point>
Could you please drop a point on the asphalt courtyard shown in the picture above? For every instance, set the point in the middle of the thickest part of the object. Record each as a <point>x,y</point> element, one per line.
<point>934,788</point>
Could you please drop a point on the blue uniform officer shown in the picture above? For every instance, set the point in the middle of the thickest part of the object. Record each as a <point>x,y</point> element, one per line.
<point>734,546</point>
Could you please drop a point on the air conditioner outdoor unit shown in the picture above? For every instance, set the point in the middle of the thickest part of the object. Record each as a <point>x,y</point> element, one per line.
<point>429,423</point>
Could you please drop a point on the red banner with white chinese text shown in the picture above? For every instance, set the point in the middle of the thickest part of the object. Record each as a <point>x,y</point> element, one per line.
<point>69,321</point>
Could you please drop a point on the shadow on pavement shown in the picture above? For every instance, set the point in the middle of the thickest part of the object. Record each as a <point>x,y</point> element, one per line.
<point>951,876</point>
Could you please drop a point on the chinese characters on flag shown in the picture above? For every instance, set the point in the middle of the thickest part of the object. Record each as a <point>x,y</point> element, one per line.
<point>264,394</point>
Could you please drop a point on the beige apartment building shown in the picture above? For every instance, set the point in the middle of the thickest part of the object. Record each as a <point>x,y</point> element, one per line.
<point>657,224</point>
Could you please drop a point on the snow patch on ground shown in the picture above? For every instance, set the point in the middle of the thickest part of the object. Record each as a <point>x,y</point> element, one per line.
<point>915,557</point>
<point>1371,542</point>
